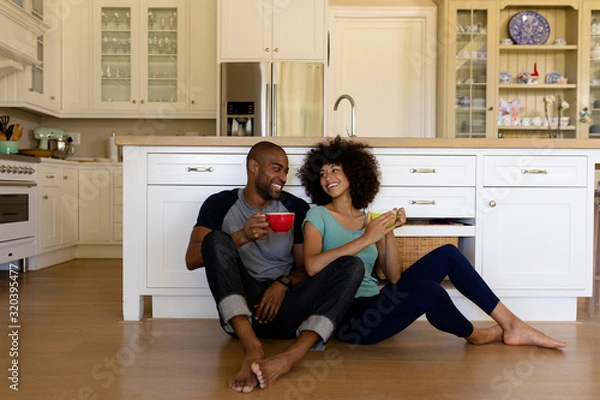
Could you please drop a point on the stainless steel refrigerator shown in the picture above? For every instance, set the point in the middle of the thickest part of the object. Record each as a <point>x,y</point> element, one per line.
<point>272,99</point>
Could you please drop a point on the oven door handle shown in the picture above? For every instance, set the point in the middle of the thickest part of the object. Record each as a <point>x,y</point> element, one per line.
<point>4,183</point>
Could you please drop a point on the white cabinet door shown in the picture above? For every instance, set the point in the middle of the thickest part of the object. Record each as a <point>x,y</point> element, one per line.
<point>298,30</point>
<point>534,238</point>
<point>44,82</point>
<point>245,30</point>
<point>49,217</point>
<point>95,205</point>
<point>202,101</point>
<point>267,30</point>
<point>386,62</point>
<point>59,207</point>
<point>139,50</point>
<point>69,206</point>
<point>172,213</point>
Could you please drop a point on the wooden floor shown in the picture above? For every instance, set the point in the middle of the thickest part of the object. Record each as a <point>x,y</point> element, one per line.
<point>72,344</point>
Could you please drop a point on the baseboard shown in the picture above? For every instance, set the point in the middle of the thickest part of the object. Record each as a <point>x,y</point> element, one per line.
<point>99,251</point>
<point>51,258</point>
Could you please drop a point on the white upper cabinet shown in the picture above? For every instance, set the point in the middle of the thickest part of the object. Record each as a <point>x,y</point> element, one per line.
<point>30,46</point>
<point>151,59</point>
<point>271,30</point>
<point>139,52</point>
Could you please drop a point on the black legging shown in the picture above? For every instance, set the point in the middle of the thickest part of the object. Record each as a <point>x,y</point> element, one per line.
<point>373,319</point>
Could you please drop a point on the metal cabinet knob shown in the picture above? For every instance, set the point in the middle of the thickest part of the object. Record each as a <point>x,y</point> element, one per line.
<point>134,101</point>
<point>45,197</point>
<point>267,50</point>
<point>493,203</point>
<point>276,49</point>
<point>66,177</point>
<point>142,101</point>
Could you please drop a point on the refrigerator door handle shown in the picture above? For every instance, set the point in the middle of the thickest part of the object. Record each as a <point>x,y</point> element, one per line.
<point>267,129</point>
<point>275,110</point>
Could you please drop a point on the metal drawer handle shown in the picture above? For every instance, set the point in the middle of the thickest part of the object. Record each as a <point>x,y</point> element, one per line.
<point>200,169</point>
<point>423,170</point>
<point>534,171</point>
<point>421,202</point>
<point>50,176</point>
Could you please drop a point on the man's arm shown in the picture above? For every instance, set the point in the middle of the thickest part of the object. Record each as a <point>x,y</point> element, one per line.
<point>255,228</point>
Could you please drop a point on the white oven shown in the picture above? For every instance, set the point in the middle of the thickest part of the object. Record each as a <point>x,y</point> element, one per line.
<point>18,209</point>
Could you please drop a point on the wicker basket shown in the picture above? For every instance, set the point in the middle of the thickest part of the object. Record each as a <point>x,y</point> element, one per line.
<point>412,248</point>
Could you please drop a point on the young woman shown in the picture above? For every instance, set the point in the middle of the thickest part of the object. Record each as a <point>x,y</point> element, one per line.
<point>342,177</point>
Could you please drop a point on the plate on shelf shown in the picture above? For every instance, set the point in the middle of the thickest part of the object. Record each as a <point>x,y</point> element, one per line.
<point>505,77</point>
<point>529,27</point>
<point>553,77</point>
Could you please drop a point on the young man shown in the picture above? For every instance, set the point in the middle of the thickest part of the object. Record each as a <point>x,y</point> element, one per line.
<point>257,276</point>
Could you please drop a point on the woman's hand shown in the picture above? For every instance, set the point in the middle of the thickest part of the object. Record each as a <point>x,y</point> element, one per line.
<point>385,223</point>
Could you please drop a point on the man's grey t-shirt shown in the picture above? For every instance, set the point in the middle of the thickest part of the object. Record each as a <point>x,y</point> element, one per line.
<point>269,257</point>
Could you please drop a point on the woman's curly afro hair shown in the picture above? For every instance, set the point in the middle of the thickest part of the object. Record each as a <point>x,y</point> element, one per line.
<point>359,165</point>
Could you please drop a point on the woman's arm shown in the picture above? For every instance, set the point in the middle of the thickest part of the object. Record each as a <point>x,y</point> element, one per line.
<point>387,250</point>
<point>315,259</point>
<point>388,257</point>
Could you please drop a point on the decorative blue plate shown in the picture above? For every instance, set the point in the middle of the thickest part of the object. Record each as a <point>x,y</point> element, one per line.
<point>553,77</point>
<point>529,27</point>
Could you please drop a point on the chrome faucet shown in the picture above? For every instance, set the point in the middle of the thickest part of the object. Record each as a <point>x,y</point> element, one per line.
<point>353,105</point>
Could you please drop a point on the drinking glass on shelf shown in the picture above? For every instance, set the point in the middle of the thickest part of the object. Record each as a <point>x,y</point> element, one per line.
<point>117,19</point>
<point>151,19</point>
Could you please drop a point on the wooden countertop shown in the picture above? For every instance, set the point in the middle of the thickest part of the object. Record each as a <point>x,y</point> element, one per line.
<point>202,141</point>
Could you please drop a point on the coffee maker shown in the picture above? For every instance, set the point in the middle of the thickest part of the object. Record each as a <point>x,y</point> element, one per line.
<point>240,118</point>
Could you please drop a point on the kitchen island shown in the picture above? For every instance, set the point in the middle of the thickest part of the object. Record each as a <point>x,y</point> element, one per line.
<point>522,210</point>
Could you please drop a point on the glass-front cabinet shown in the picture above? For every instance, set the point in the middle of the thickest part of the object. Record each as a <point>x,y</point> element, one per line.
<point>590,98</point>
<point>538,70</point>
<point>138,55</point>
<point>468,81</point>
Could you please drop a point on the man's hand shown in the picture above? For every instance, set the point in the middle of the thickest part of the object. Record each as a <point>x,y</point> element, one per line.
<point>256,227</point>
<point>270,303</point>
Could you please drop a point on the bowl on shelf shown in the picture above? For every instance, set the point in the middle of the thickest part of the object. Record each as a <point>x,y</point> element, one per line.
<point>8,147</point>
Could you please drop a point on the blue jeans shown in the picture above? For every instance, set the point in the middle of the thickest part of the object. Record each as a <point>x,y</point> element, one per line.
<point>373,319</point>
<point>317,304</point>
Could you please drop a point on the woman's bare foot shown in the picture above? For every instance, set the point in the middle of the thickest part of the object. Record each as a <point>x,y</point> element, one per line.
<point>245,380</point>
<point>486,335</point>
<point>269,370</point>
<point>520,334</point>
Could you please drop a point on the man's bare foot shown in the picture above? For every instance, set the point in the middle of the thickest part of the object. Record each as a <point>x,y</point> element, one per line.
<point>522,334</point>
<point>269,370</point>
<point>244,381</point>
<point>486,335</point>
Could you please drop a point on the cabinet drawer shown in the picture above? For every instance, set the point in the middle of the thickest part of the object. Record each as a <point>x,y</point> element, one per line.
<point>534,171</point>
<point>198,169</point>
<point>401,170</point>
<point>49,176</point>
<point>428,202</point>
